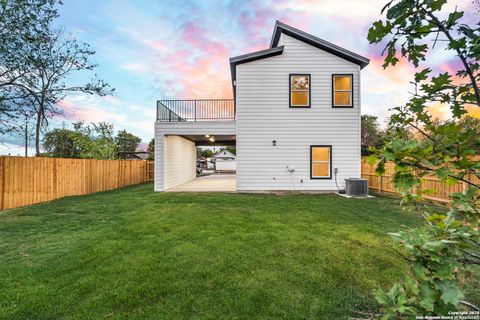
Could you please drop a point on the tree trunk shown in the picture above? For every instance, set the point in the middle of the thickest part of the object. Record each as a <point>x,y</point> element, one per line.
<point>40,115</point>
<point>37,134</point>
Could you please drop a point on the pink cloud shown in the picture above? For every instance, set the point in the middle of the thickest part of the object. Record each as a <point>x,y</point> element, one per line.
<point>198,67</point>
<point>88,109</point>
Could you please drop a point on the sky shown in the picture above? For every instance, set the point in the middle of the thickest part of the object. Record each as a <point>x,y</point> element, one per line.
<point>155,49</point>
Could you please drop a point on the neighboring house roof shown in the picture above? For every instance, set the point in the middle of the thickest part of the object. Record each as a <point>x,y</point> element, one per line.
<point>224,154</point>
<point>299,35</point>
<point>136,155</point>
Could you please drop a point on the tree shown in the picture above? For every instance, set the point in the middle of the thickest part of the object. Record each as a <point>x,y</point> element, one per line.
<point>126,142</point>
<point>470,125</point>
<point>35,62</point>
<point>64,143</point>
<point>103,142</point>
<point>204,153</point>
<point>151,149</point>
<point>371,135</point>
<point>23,25</point>
<point>54,59</point>
<point>438,252</point>
<point>232,149</point>
<point>84,141</point>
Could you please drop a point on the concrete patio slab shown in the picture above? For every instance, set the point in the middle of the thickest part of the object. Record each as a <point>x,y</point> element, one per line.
<point>211,183</point>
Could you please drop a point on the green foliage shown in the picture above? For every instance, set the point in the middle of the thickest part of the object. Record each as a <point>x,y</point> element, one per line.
<point>205,153</point>
<point>126,142</point>
<point>84,141</point>
<point>371,134</point>
<point>232,149</point>
<point>151,149</point>
<point>435,254</point>
<point>439,252</point>
<point>64,143</point>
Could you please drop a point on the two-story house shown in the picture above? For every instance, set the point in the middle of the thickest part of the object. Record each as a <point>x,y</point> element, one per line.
<point>295,119</point>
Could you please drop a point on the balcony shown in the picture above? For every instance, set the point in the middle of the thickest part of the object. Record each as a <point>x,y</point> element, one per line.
<point>195,110</point>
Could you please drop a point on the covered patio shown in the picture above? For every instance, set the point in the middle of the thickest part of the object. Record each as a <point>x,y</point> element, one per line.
<point>211,183</point>
<point>181,127</point>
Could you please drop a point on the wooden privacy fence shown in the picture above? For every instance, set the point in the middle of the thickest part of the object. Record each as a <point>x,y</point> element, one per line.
<point>149,170</point>
<point>384,183</point>
<point>25,181</point>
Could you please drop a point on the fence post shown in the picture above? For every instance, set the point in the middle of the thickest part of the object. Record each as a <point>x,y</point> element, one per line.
<point>195,104</point>
<point>84,176</point>
<point>2,181</point>
<point>54,178</point>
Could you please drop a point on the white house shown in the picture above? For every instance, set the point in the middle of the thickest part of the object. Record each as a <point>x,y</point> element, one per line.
<point>225,161</point>
<point>295,119</point>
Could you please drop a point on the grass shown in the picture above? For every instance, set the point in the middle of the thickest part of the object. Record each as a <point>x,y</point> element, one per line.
<point>132,253</point>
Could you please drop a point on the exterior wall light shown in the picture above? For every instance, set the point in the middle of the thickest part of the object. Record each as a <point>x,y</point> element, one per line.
<point>274,143</point>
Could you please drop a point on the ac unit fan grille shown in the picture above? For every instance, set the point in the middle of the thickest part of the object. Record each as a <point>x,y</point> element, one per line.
<point>356,187</point>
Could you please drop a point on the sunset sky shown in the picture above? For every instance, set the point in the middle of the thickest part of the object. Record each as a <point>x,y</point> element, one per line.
<point>149,50</point>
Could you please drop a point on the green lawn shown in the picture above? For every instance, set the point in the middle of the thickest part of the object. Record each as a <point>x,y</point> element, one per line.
<point>133,253</point>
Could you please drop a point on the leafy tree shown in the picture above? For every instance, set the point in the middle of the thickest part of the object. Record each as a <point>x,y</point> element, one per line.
<point>232,149</point>
<point>84,141</point>
<point>103,146</point>
<point>371,134</point>
<point>151,149</point>
<point>55,58</point>
<point>64,143</point>
<point>23,25</point>
<point>205,153</point>
<point>438,252</point>
<point>36,61</point>
<point>126,142</point>
<point>470,125</point>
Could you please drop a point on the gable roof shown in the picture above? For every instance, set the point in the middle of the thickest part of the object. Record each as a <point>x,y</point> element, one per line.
<point>316,42</point>
<point>224,153</point>
<point>299,35</point>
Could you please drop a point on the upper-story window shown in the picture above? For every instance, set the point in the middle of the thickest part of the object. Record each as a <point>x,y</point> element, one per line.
<point>299,91</point>
<point>342,90</point>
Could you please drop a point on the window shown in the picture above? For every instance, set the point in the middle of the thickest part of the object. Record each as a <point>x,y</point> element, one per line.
<point>299,91</point>
<point>342,90</point>
<point>320,162</point>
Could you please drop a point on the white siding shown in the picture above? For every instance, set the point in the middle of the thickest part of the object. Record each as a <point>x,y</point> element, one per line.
<point>225,165</point>
<point>263,115</point>
<point>164,176</point>
<point>180,158</point>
